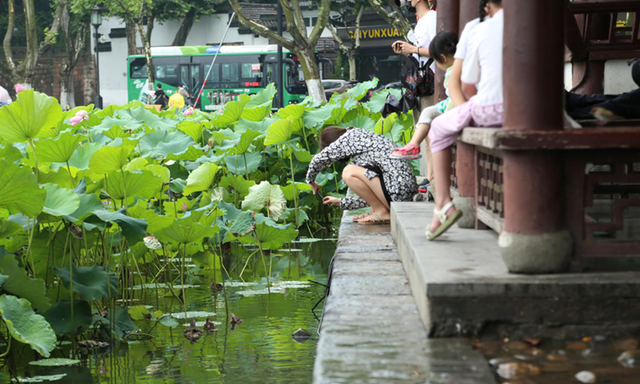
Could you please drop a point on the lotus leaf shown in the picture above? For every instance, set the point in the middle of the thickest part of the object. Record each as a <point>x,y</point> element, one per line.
<point>82,156</point>
<point>109,159</point>
<point>238,183</point>
<point>60,149</point>
<point>9,153</point>
<point>21,285</point>
<point>290,192</point>
<point>364,122</point>
<point>28,115</point>
<point>237,165</point>
<point>19,191</point>
<point>201,179</point>
<point>186,230</point>
<point>121,185</point>
<point>361,89</point>
<point>9,228</point>
<point>26,326</point>
<point>133,229</point>
<point>60,201</point>
<point>295,111</point>
<point>279,132</point>
<point>270,236</point>
<point>266,195</point>
<point>57,362</point>
<point>231,112</point>
<point>89,203</point>
<point>245,141</point>
<point>162,144</point>
<point>193,129</point>
<point>59,316</point>
<point>317,118</point>
<point>243,225</point>
<point>92,283</point>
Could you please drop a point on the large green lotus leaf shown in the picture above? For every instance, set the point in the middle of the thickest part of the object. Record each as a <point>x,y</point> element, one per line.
<point>81,157</point>
<point>238,183</point>
<point>9,153</point>
<point>19,191</point>
<point>293,190</point>
<point>149,118</point>
<point>9,228</point>
<point>236,163</point>
<point>160,144</point>
<point>230,211</point>
<point>154,221</point>
<point>109,158</point>
<point>59,316</point>
<point>133,229</point>
<point>121,185</point>
<point>192,153</point>
<point>192,128</point>
<point>230,113</point>
<point>295,111</point>
<point>242,225</point>
<point>136,164</point>
<point>385,125</point>
<point>26,326</point>
<point>259,126</point>
<point>279,132</point>
<point>21,285</point>
<point>302,155</point>
<point>28,115</point>
<point>201,179</point>
<point>159,171</point>
<point>89,203</point>
<point>361,89</point>
<point>266,195</point>
<point>318,117</point>
<point>246,139</point>
<point>60,201</point>
<point>256,113</point>
<point>124,324</point>
<point>91,283</point>
<point>186,230</point>
<point>268,234</point>
<point>379,98</point>
<point>263,97</point>
<point>60,149</point>
<point>364,122</point>
<point>3,279</point>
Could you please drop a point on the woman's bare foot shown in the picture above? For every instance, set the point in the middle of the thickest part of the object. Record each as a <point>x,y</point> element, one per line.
<point>435,222</point>
<point>376,216</point>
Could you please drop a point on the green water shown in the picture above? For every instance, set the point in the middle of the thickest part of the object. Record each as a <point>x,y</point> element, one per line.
<point>259,350</point>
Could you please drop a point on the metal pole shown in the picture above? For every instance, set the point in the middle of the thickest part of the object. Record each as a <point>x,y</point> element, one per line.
<point>224,36</point>
<point>98,101</point>
<point>279,76</point>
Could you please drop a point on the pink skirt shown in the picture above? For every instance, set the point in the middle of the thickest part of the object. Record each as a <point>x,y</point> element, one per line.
<point>446,128</point>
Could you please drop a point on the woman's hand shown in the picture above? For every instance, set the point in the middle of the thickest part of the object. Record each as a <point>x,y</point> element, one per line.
<point>332,201</point>
<point>315,187</point>
<point>404,48</point>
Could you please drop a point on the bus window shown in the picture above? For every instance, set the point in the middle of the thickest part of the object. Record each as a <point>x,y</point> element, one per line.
<point>138,68</point>
<point>214,76</point>
<point>230,75</point>
<point>167,73</point>
<point>294,79</point>
<point>250,71</point>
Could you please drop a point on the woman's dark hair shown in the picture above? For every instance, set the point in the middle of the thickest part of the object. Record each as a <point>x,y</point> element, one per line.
<point>444,44</point>
<point>483,13</point>
<point>159,86</point>
<point>329,135</point>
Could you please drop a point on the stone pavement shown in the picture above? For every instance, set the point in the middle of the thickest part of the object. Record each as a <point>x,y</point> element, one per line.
<point>372,331</point>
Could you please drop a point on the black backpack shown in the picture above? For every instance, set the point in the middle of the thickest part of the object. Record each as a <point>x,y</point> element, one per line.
<point>417,78</point>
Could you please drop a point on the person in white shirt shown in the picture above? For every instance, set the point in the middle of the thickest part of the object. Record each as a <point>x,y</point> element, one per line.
<point>483,69</point>
<point>420,38</point>
<point>5,99</point>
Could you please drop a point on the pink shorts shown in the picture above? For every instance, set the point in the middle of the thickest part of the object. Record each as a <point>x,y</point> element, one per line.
<point>446,128</point>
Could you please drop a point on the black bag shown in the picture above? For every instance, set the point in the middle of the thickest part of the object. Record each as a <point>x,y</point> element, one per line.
<point>417,78</point>
<point>404,105</point>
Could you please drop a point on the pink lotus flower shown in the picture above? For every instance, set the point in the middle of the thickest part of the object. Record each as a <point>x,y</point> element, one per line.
<point>80,115</point>
<point>188,112</point>
<point>75,120</point>
<point>19,88</point>
<point>184,207</point>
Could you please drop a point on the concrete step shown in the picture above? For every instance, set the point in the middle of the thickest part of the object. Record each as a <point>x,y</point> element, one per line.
<point>462,287</point>
<point>371,329</point>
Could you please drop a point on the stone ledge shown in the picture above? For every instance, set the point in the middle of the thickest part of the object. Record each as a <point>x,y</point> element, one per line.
<point>461,285</point>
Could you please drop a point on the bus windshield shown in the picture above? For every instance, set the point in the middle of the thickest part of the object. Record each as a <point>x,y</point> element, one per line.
<point>295,78</point>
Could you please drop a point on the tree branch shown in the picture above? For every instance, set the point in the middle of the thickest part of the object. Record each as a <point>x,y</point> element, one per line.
<point>395,17</point>
<point>341,44</point>
<point>259,28</point>
<point>323,20</point>
<point>52,33</point>
<point>6,43</point>
<point>299,18</point>
<point>292,27</point>
<point>356,45</point>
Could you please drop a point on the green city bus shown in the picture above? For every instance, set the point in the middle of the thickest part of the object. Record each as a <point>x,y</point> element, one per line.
<point>237,70</point>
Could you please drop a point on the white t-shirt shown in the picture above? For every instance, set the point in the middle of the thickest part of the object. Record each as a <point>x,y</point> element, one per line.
<point>4,96</point>
<point>483,64</point>
<point>424,32</point>
<point>461,48</point>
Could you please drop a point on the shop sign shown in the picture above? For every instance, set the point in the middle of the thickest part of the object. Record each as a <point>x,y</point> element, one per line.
<point>376,33</point>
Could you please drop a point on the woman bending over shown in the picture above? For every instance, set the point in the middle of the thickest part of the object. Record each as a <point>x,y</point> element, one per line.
<point>376,179</point>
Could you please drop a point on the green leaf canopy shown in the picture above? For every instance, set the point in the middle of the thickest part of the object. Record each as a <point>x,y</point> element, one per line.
<point>19,191</point>
<point>133,229</point>
<point>60,149</point>
<point>21,285</point>
<point>279,132</point>
<point>24,119</point>
<point>243,164</point>
<point>60,201</point>
<point>108,159</point>
<point>201,179</point>
<point>91,283</point>
<point>59,316</point>
<point>26,326</point>
<point>266,195</point>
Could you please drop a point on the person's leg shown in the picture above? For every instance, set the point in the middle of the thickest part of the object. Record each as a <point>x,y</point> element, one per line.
<point>442,172</point>
<point>422,130</point>
<point>626,105</point>
<point>369,190</point>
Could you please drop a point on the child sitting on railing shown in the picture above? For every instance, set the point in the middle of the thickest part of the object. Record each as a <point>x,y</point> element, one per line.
<point>441,49</point>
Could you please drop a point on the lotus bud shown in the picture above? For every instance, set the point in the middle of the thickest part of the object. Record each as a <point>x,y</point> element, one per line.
<point>188,112</point>
<point>184,207</point>
<point>75,120</point>
<point>19,88</point>
<point>151,242</point>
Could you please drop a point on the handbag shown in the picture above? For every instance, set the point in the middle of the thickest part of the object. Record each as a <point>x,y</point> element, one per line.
<point>417,78</point>
<point>392,105</point>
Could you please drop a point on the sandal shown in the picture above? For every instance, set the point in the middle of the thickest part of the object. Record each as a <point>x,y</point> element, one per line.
<point>408,152</point>
<point>445,221</point>
<point>375,219</point>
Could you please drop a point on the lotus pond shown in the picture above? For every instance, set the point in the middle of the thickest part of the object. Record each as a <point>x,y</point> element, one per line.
<point>115,223</point>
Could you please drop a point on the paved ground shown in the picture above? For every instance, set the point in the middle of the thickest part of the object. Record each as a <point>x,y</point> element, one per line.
<point>372,331</point>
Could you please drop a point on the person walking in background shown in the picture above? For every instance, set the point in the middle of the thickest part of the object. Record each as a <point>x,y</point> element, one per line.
<point>420,38</point>
<point>184,93</point>
<point>176,100</point>
<point>5,99</point>
<point>160,97</point>
<point>371,175</point>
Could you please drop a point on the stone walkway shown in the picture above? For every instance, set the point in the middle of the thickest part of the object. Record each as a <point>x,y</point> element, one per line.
<point>372,331</point>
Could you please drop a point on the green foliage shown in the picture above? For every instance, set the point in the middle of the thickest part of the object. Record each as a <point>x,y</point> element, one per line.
<point>26,326</point>
<point>20,284</point>
<point>59,316</point>
<point>24,119</point>
<point>92,283</point>
<point>19,191</point>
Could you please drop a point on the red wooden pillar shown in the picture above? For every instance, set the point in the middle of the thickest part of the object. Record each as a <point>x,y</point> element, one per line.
<point>535,239</point>
<point>591,79</point>
<point>465,153</point>
<point>448,16</point>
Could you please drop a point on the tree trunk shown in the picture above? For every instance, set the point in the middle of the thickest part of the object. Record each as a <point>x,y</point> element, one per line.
<point>31,59</point>
<point>352,65</point>
<point>6,43</point>
<point>132,44</point>
<point>67,93</point>
<point>181,36</point>
<point>147,55</point>
<point>311,74</point>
